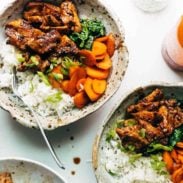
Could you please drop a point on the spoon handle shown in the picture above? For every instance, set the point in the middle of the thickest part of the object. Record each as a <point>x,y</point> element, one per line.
<point>52,151</point>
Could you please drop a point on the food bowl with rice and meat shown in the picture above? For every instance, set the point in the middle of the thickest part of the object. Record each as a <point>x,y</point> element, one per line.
<point>70,58</point>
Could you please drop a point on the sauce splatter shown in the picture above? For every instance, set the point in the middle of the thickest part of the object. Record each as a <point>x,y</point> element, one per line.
<point>76,160</point>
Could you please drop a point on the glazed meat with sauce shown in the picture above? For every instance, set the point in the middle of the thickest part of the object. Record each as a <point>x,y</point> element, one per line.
<point>155,116</point>
<point>47,16</point>
<point>22,35</point>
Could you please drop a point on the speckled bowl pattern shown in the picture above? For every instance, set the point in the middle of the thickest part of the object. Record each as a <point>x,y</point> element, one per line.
<point>25,170</point>
<point>100,145</point>
<point>87,8</point>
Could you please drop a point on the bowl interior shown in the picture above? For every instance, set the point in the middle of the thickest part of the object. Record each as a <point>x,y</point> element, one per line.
<point>87,8</point>
<point>101,146</point>
<point>28,171</point>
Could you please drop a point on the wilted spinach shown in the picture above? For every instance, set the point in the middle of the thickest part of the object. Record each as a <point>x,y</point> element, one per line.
<point>91,29</point>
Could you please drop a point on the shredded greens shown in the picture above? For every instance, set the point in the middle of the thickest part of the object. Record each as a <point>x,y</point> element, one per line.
<point>54,98</point>
<point>91,29</point>
<point>134,157</point>
<point>44,78</point>
<point>176,136</point>
<point>158,165</point>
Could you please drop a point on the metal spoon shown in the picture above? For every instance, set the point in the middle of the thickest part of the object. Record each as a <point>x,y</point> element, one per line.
<point>15,90</point>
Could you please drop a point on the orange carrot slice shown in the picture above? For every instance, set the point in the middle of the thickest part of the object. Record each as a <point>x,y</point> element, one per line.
<point>180,32</point>
<point>111,45</point>
<point>177,174</point>
<point>100,57</point>
<point>180,145</point>
<point>168,161</point>
<point>99,48</point>
<point>99,86</point>
<point>89,90</point>
<point>80,99</point>
<point>97,73</point>
<point>105,64</point>
<point>174,155</point>
<point>180,157</point>
<point>89,57</point>
<point>72,70</point>
<point>65,85</point>
<point>102,39</point>
<point>80,84</point>
<point>72,84</point>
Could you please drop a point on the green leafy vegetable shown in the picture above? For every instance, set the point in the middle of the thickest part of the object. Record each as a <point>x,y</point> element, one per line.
<point>90,29</point>
<point>57,97</point>
<point>20,57</point>
<point>158,165</point>
<point>153,147</point>
<point>130,122</point>
<point>31,89</point>
<point>176,136</point>
<point>110,135</point>
<point>134,157</point>
<point>44,78</point>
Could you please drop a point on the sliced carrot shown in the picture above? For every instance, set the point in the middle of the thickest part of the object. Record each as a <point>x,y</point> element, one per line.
<point>80,84</point>
<point>168,161</point>
<point>177,175</point>
<point>72,84</point>
<point>180,145</point>
<point>99,86</point>
<point>176,166</point>
<point>89,90</point>
<point>65,86</point>
<point>180,157</point>
<point>81,72</point>
<point>102,39</point>
<point>54,83</point>
<point>179,151</point>
<point>89,57</point>
<point>111,45</point>
<point>105,64</point>
<point>174,155</point>
<point>99,48</point>
<point>100,57</point>
<point>97,73</point>
<point>72,70</point>
<point>180,32</point>
<point>80,99</point>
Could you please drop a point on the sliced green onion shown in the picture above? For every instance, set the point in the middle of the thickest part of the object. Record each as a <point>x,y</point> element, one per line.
<point>57,76</point>
<point>44,78</point>
<point>20,57</point>
<point>57,97</point>
<point>34,60</point>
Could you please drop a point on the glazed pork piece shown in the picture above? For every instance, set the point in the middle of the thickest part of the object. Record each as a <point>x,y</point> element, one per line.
<point>155,117</point>
<point>5,177</point>
<point>22,35</point>
<point>47,16</point>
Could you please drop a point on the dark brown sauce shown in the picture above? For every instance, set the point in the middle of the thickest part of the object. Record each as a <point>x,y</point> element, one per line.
<point>76,160</point>
<point>73,172</point>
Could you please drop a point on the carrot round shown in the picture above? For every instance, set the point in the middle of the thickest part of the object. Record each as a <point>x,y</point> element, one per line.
<point>65,85</point>
<point>179,151</point>
<point>180,157</point>
<point>180,145</point>
<point>105,64</point>
<point>99,48</point>
<point>72,84</point>
<point>168,161</point>
<point>110,45</point>
<point>177,175</point>
<point>174,155</point>
<point>80,84</point>
<point>72,70</point>
<point>89,90</point>
<point>100,57</point>
<point>99,86</point>
<point>97,73</point>
<point>102,39</point>
<point>89,57</point>
<point>80,99</point>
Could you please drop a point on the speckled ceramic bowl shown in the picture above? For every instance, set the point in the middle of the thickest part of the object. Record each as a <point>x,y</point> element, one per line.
<point>87,8</point>
<point>100,146</point>
<point>24,170</point>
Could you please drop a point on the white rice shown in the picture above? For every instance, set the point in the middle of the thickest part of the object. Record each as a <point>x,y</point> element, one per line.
<point>114,161</point>
<point>34,91</point>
